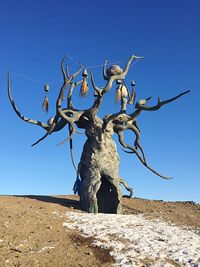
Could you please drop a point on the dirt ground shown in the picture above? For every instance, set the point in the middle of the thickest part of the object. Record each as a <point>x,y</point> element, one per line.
<point>32,232</point>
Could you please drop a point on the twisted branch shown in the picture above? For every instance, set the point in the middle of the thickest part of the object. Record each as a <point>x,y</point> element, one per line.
<point>121,140</point>
<point>142,106</point>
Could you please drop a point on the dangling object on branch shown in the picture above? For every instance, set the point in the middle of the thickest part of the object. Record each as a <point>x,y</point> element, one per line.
<point>118,94</point>
<point>114,70</point>
<point>121,91</point>
<point>133,95</point>
<point>45,104</point>
<point>124,91</point>
<point>46,88</point>
<point>84,85</point>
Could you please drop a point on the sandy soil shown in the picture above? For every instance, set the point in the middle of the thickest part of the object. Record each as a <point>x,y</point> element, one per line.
<point>32,232</point>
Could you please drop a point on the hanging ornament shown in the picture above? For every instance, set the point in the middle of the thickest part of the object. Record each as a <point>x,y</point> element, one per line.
<point>114,70</point>
<point>133,95</point>
<point>45,104</point>
<point>118,94</point>
<point>84,85</point>
<point>124,90</point>
<point>121,90</point>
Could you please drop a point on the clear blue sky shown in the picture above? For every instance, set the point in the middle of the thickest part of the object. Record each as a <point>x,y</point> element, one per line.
<point>35,35</point>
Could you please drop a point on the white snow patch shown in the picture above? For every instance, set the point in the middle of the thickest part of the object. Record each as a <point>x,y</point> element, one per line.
<point>134,239</point>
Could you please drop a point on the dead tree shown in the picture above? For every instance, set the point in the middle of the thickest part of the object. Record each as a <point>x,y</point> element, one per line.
<point>99,184</point>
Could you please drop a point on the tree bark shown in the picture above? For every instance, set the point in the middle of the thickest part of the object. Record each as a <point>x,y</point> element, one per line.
<point>99,172</point>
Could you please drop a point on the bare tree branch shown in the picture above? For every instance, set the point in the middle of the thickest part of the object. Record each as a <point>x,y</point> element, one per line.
<point>142,106</point>
<point>60,112</point>
<point>69,96</point>
<point>59,109</point>
<point>129,125</point>
<point>22,117</point>
<point>104,71</point>
<point>121,140</point>
<point>65,83</point>
<point>50,130</point>
<point>111,79</point>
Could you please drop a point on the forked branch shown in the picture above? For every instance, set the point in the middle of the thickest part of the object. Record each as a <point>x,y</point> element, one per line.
<point>59,111</point>
<point>124,122</point>
<point>111,79</point>
<point>134,128</point>
<point>142,105</point>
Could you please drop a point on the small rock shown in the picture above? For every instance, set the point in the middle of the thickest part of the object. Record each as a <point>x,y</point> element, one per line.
<point>89,253</point>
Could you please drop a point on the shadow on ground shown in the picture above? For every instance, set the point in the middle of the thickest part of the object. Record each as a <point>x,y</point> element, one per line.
<point>64,201</point>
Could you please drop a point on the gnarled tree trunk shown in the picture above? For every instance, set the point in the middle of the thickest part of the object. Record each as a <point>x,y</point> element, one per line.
<point>99,171</point>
